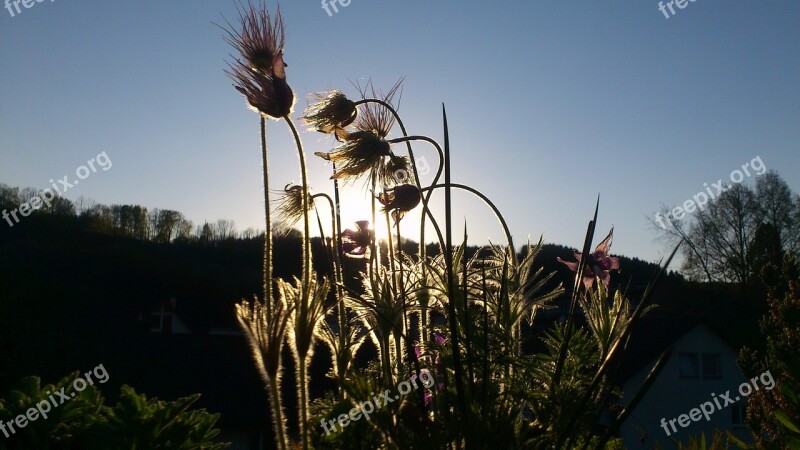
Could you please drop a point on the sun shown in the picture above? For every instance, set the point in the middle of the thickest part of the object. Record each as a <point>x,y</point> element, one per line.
<point>356,204</point>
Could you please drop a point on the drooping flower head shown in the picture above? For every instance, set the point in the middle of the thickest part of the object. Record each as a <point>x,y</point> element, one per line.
<point>356,242</point>
<point>364,148</point>
<point>400,199</point>
<point>330,113</point>
<point>396,170</point>
<point>259,71</point>
<point>290,204</point>
<point>598,264</point>
<point>361,152</point>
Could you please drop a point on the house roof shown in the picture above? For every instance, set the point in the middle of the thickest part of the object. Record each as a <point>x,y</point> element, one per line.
<point>650,338</point>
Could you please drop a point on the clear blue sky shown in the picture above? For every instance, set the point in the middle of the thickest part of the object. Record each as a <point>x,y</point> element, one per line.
<point>549,103</point>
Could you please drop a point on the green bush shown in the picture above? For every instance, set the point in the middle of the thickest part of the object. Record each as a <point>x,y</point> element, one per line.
<point>83,421</point>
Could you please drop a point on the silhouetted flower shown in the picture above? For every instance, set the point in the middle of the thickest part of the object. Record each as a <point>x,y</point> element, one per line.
<point>259,73</point>
<point>290,204</point>
<point>400,199</point>
<point>364,149</point>
<point>598,264</point>
<point>361,152</point>
<point>331,112</point>
<point>397,170</point>
<point>356,242</point>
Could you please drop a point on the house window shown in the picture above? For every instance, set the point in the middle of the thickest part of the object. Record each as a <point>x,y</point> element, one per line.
<point>711,365</point>
<point>689,365</point>
<point>738,413</point>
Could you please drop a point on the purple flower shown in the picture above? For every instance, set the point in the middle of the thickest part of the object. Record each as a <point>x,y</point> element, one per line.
<point>439,338</point>
<point>598,264</point>
<point>356,242</point>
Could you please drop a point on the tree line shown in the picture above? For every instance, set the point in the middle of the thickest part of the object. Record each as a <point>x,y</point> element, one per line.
<point>135,221</point>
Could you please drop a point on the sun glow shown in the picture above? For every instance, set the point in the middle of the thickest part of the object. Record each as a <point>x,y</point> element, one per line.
<point>357,205</point>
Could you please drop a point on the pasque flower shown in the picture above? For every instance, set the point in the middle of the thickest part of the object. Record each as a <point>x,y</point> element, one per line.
<point>598,264</point>
<point>356,242</point>
<point>290,204</point>
<point>400,199</point>
<point>364,148</point>
<point>330,113</point>
<point>259,72</point>
<point>361,152</point>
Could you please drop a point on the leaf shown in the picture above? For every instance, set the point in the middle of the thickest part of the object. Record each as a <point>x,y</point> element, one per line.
<point>786,421</point>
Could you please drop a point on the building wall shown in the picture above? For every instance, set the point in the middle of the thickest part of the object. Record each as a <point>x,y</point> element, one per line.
<point>672,395</point>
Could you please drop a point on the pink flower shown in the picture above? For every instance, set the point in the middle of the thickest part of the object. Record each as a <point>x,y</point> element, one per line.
<point>598,264</point>
<point>356,242</point>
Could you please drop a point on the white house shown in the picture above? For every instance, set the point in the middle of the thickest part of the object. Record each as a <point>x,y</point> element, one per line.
<point>698,389</point>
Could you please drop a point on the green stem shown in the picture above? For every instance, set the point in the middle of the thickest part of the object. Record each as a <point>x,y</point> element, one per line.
<point>342,309</point>
<point>393,268</point>
<point>426,210</point>
<point>306,227</point>
<point>492,206</point>
<point>268,219</point>
<point>342,364</point>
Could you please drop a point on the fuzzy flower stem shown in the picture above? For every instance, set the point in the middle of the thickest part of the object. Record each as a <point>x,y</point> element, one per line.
<point>268,231</point>
<point>277,413</point>
<point>342,310</point>
<point>306,221</point>
<point>337,270</point>
<point>393,267</point>
<point>425,199</point>
<point>304,402</point>
<point>488,203</point>
<point>306,283</point>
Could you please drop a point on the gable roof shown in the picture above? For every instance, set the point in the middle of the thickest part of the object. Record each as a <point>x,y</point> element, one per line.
<point>651,337</point>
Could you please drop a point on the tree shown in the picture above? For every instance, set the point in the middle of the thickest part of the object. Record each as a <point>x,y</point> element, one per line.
<point>131,220</point>
<point>224,229</point>
<point>724,236</point>
<point>769,410</point>
<point>166,225</point>
<point>205,233</point>
<point>779,208</point>
<point>9,197</point>
<point>723,233</point>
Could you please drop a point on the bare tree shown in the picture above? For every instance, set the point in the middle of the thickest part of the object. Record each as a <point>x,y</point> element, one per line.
<point>779,208</point>
<point>224,229</point>
<point>721,237</point>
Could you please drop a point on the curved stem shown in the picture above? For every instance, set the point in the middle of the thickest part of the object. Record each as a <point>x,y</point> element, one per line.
<point>306,226</point>
<point>341,363</point>
<point>425,200</point>
<point>491,205</point>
